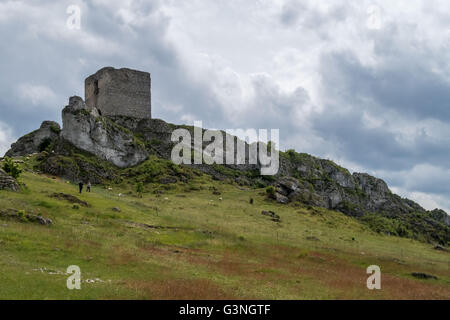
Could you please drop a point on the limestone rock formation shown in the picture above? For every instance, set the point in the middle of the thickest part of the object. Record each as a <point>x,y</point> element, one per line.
<point>35,141</point>
<point>323,183</point>
<point>155,132</point>
<point>7,182</point>
<point>440,215</point>
<point>85,129</point>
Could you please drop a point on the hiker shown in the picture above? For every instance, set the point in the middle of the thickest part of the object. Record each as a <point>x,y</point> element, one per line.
<point>88,187</point>
<point>81,186</point>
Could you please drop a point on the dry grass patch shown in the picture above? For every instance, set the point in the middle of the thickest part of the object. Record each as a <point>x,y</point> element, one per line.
<point>179,289</point>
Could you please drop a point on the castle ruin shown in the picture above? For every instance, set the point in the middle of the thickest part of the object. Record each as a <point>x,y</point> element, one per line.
<point>119,92</point>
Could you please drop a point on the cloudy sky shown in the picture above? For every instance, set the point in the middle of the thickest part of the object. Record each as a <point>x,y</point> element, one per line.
<point>365,83</point>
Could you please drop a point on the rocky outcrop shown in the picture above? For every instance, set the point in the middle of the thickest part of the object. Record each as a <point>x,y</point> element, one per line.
<point>7,182</point>
<point>70,163</point>
<point>354,194</point>
<point>87,130</point>
<point>323,183</point>
<point>35,141</point>
<point>274,217</point>
<point>21,216</point>
<point>440,215</point>
<point>70,198</point>
<point>155,133</point>
<point>289,189</point>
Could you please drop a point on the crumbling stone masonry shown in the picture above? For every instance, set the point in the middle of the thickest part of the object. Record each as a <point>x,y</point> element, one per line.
<point>119,92</point>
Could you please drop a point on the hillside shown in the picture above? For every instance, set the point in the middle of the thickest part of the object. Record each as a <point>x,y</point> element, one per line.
<point>153,229</point>
<point>200,238</point>
<point>94,147</point>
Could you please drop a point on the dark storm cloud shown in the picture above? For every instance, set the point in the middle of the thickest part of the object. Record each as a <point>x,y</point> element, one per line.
<point>404,90</point>
<point>433,183</point>
<point>406,84</point>
<point>378,148</point>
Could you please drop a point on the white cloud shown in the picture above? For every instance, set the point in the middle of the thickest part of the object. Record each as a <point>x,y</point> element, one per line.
<point>37,95</point>
<point>6,138</point>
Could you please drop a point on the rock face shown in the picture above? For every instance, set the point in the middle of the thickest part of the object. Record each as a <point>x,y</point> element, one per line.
<point>85,129</point>
<point>68,162</point>
<point>441,215</point>
<point>7,182</point>
<point>323,183</point>
<point>35,141</point>
<point>155,132</point>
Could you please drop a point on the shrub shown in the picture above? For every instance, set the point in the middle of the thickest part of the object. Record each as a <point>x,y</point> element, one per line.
<point>45,144</point>
<point>155,142</point>
<point>55,129</point>
<point>140,188</point>
<point>291,153</point>
<point>12,168</point>
<point>270,190</point>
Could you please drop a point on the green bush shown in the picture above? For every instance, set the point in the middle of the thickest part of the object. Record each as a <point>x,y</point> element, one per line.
<point>140,188</point>
<point>156,142</point>
<point>12,168</point>
<point>270,190</point>
<point>55,129</point>
<point>45,144</point>
<point>291,153</point>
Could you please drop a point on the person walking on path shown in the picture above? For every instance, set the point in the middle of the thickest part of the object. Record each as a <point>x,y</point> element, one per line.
<point>80,185</point>
<point>88,187</point>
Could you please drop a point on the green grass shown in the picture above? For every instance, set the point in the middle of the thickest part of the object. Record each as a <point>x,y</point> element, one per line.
<point>200,247</point>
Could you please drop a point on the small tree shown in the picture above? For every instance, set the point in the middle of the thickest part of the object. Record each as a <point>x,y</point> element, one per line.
<point>140,188</point>
<point>12,168</point>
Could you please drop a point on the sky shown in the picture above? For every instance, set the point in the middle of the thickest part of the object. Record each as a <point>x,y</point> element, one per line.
<point>364,83</point>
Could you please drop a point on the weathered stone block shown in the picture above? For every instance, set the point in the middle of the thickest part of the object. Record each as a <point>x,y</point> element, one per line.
<point>7,182</point>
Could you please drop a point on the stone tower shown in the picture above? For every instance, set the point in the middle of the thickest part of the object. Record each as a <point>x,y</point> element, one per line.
<point>119,92</point>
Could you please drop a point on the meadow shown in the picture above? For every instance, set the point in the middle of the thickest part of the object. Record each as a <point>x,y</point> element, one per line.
<point>201,239</point>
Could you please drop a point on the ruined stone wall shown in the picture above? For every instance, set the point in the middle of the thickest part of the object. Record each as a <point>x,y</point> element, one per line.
<point>123,92</point>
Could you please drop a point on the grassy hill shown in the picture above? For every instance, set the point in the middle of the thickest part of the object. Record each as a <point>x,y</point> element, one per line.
<point>199,239</point>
